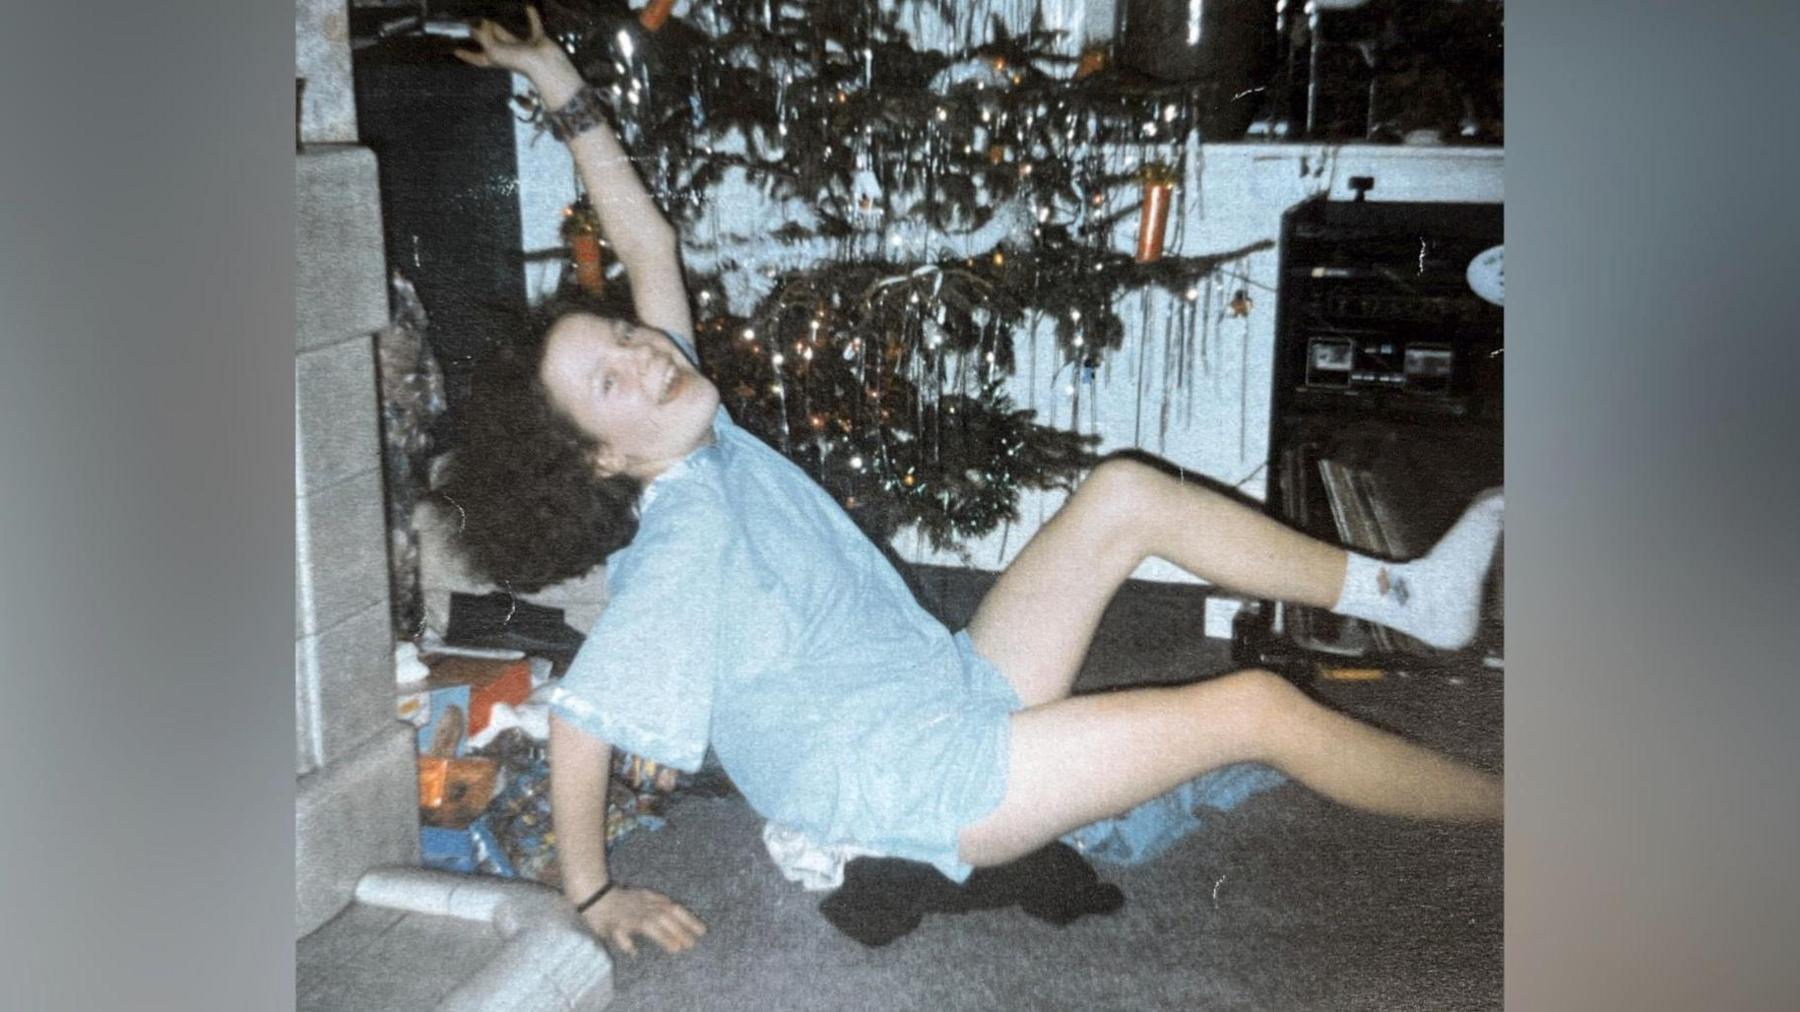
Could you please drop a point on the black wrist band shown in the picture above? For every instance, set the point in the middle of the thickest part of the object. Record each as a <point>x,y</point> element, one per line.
<point>583,112</point>
<point>581,908</point>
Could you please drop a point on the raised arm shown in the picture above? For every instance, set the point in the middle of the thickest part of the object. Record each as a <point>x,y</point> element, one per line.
<point>642,239</point>
<point>578,782</point>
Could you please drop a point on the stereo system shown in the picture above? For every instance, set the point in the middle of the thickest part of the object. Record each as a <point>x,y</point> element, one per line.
<point>1377,311</point>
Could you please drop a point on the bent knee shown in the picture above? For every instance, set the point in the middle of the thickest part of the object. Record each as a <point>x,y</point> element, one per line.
<point>1262,701</point>
<point>1122,476</point>
<point>1131,485</point>
<point>1120,488</point>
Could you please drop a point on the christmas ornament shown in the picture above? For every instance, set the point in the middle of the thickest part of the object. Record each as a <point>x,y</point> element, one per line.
<point>1093,61</point>
<point>1159,184</point>
<point>655,13</point>
<point>581,231</point>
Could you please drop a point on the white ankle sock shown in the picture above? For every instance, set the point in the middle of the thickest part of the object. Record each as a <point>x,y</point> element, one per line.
<point>1436,598</point>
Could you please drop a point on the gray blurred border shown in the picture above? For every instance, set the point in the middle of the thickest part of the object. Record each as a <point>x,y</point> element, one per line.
<point>1651,322</point>
<point>146,505</point>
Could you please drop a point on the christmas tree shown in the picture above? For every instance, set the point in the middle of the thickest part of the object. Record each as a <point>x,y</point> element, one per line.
<point>945,201</point>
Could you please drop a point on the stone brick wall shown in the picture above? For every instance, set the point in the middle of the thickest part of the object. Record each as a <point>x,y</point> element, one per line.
<point>356,804</point>
<point>322,57</point>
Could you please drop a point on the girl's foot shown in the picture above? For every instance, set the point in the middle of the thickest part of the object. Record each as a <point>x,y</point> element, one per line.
<point>1436,598</point>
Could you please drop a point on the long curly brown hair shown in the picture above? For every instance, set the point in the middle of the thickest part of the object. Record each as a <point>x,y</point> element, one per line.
<point>531,510</point>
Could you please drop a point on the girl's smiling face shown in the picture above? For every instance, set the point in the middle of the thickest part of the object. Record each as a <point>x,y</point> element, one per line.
<point>632,389</point>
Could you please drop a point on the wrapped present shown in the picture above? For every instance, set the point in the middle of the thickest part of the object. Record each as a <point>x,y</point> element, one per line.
<point>457,699</point>
<point>441,715</point>
<point>515,835</point>
<point>472,849</point>
<point>488,682</point>
<point>447,849</point>
<point>520,817</point>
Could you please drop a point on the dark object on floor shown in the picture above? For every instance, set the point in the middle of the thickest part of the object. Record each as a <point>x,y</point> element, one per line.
<point>883,898</point>
<point>500,619</point>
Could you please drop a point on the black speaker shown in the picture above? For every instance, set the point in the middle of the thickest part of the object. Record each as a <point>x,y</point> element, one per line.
<point>1224,49</point>
<point>442,133</point>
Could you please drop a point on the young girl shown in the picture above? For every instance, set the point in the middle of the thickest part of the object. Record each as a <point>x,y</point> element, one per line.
<point>749,613</point>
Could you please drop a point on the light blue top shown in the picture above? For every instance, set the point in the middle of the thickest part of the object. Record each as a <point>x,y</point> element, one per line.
<point>750,613</point>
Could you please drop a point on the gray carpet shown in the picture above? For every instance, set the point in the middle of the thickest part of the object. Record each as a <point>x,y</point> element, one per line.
<point>1289,902</point>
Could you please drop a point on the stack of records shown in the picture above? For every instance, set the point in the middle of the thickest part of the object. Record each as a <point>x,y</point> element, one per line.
<point>1367,522</point>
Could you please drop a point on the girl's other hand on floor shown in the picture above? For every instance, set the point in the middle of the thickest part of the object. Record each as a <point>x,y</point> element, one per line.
<point>627,914</point>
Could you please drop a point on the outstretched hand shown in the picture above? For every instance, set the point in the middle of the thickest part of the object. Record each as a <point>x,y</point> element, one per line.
<point>629,913</point>
<point>500,48</point>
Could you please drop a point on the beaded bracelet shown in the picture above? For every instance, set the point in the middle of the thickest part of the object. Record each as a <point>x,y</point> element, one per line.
<point>579,114</point>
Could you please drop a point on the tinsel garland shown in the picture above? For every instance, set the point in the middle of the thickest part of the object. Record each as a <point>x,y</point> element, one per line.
<point>814,99</point>
<point>884,380</point>
<point>880,375</point>
<point>878,430</point>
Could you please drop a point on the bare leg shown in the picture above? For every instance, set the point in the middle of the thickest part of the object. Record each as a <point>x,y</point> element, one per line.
<point>1077,760</point>
<point>1037,621</point>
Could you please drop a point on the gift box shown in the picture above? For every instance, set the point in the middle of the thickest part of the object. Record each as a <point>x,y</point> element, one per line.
<point>466,851</point>
<point>488,682</point>
<point>457,699</point>
<point>447,849</point>
<point>441,714</point>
